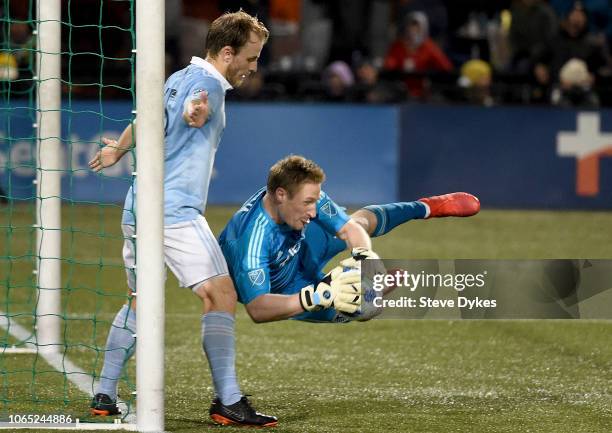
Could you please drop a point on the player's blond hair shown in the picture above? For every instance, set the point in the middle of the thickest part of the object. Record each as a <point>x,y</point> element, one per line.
<point>291,172</point>
<point>233,29</point>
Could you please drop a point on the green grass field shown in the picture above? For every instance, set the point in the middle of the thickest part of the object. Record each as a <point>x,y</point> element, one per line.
<point>380,376</point>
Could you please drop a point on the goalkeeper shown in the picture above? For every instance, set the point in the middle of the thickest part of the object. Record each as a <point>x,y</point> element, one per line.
<point>279,241</point>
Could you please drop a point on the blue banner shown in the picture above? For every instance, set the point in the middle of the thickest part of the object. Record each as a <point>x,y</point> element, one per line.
<point>509,157</point>
<point>83,124</point>
<point>355,145</point>
<point>516,157</point>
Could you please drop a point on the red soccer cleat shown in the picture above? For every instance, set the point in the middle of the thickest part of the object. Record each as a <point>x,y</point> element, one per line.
<point>458,204</point>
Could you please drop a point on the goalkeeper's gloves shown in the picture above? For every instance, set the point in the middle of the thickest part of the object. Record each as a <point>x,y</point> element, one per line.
<point>357,255</point>
<point>340,290</point>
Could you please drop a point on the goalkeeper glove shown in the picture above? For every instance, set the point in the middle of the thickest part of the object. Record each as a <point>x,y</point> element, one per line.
<point>357,255</point>
<point>360,254</point>
<point>340,290</point>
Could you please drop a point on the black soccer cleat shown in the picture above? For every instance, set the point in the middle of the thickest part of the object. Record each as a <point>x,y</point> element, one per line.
<point>103,405</point>
<point>240,413</point>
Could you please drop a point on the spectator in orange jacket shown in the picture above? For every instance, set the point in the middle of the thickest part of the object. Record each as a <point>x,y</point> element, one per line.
<point>415,51</point>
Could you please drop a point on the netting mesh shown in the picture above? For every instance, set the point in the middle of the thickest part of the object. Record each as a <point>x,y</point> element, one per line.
<point>97,100</point>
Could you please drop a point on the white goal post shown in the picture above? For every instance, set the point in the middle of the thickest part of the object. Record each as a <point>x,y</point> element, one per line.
<point>150,276</point>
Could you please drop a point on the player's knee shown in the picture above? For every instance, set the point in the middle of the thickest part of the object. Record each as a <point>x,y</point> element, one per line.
<point>227,292</point>
<point>218,291</point>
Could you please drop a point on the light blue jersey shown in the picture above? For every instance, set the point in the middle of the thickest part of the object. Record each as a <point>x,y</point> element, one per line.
<point>189,152</point>
<point>266,257</point>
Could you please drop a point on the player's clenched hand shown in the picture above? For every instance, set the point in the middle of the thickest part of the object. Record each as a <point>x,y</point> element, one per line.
<point>339,289</point>
<point>196,111</point>
<point>107,156</point>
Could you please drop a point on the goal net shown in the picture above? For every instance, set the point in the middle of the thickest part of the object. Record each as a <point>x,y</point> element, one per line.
<point>62,278</point>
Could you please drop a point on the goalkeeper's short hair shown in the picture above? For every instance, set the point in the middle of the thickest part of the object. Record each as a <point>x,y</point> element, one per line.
<point>291,172</point>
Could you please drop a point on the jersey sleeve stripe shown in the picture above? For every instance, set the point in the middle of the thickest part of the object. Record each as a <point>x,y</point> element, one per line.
<point>250,248</point>
<point>255,243</point>
<point>264,223</point>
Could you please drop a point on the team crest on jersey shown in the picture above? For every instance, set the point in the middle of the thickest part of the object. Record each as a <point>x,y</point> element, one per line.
<point>257,277</point>
<point>329,210</point>
<point>197,92</point>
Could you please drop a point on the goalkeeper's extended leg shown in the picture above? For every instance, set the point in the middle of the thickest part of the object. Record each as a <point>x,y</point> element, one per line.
<point>120,346</point>
<point>381,219</point>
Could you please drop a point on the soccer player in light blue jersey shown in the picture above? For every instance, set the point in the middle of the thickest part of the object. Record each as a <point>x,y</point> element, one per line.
<point>279,241</point>
<point>194,105</point>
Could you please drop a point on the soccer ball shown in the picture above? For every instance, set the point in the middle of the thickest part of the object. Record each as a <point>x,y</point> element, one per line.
<point>368,310</point>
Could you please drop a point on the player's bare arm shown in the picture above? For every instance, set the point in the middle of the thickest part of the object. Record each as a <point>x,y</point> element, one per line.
<point>113,150</point>
<point>270,307</point>
<point>355,235</point>
<point>339,289</point>
<point>360,243</point>
<point>196,111</point>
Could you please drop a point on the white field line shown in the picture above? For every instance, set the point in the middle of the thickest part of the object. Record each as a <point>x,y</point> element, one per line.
<point>60,362</point>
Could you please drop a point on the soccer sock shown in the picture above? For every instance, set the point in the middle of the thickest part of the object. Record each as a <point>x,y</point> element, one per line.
<point>391,215</point>
<point>219,345</point>
<point>120,347</point>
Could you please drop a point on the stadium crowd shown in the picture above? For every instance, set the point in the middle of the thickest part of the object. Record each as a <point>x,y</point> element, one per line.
<point>482,52</point>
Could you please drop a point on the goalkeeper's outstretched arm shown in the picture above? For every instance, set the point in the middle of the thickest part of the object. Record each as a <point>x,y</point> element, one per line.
<point>340,290</point>
<point>270,307</point>
<point>360,243</point>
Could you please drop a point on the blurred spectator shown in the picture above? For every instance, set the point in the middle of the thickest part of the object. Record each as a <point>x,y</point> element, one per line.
<point>316,34</point>
<point>498,36</point>
<point>96,45</point>
<point>540,85</point>
<point>22,41</point>
<point>475,81</point>
<point>381,30</point>
<point>197,16</point>
<point>459,12</point>
<point>285,46</point>
<point>599,13</point>
<point>437,16</point>
<point>414,51</point>
<point>575,86</point>
<point>369,88</point>
<point>18,43</point>
<point>475,29</point>
<point>350,29</point>
<point>573,41</point>
<point>533,27</point>
<point>338,81</point>
<point>8,67</point>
